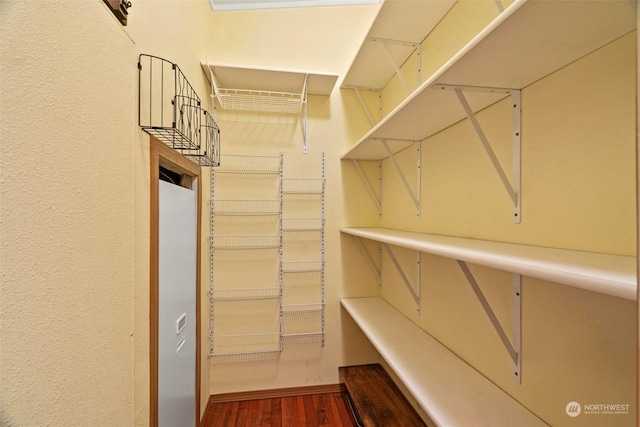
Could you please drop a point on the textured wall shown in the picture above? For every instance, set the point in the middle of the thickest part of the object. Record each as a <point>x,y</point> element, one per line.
<point>74,206</point>
<point>66,216</point>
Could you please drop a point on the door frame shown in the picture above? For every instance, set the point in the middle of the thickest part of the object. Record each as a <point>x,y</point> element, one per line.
<point>163,155</point>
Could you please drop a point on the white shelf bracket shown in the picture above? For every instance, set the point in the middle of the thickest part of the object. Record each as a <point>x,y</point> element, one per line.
<point>396,67</point>
<point>512,187</point>
<point>514,349</point>
<point>376,199</point>
<point>357,90</point>
<point>372,265</point>
<point>305,148</point>
<point>415,197</point>
<point>416,292</point>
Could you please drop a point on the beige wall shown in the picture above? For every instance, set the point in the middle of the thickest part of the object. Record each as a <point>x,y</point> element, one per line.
<point>68,223</point>
<point>74,206</point>
<point>578,192</point>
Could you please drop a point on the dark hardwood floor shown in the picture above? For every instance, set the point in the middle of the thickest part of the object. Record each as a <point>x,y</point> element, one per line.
<point>326,409</point>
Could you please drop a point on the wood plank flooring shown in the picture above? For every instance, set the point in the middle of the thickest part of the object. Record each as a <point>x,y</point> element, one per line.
<point>314,410</point>
<point>377,399</point>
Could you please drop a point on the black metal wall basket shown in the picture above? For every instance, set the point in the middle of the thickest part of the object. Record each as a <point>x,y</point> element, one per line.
<point>170,110</point>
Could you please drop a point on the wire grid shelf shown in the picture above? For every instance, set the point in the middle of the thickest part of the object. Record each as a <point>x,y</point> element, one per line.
<point>303,320</point>
<point>243,344</point>
<point>208,154</point>
<point>240,164</point>
<point>247,207</point>
<point>301,266</point>
<point>259,100</point>
<point>303,185</point>
<point>170,110</point>
<point>246,294</point>
<point>245,242</point>
<point>302,224</point>
<point>303,309</point>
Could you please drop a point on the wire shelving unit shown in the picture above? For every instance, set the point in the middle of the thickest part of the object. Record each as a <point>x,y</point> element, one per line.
<point>260,331</point>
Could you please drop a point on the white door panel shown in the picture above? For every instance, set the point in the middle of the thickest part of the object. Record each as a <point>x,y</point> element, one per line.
<point>177,306</point>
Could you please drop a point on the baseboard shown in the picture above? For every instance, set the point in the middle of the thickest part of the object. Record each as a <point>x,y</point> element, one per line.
<point>275,393</point>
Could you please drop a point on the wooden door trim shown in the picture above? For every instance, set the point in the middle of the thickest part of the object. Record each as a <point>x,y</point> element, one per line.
<point>162,155</point>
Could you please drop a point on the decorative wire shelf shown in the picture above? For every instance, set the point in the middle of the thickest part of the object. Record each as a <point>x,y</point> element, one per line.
<point>301,266</point>
<point>170,110</point>
<point>302,224</point>
<point>245,242</point>
<point>240,164</point>
<point>256,207</point>
<point>303,186</point>
<point>249,294</point>
<point>259,100</point>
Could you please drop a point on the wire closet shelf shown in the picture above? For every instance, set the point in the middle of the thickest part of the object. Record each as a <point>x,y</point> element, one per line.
<point>170,110</point>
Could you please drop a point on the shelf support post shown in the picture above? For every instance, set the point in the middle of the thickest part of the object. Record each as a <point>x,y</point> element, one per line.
<point>516,289</point>
<point>415,198</point>
<point>512,187</point>
<point>377,200</point>
<point>304,116</point>
<point>415,293</point>
<point>512,349</point>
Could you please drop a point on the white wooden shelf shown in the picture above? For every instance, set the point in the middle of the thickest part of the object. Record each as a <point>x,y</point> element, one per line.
<point>604,273</point>
<point>400,24</point>
<point>451,392</point>
<point>528,41</point>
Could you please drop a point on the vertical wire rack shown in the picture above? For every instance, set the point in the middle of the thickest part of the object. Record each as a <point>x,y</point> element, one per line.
<point>306,320</point>
<point>248,301</point>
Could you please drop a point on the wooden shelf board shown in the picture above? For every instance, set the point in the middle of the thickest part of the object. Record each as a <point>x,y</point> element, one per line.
<point>270,79</point>
<point>604,273</point>
<point>417,19</point>
<point>528,41</point>
<point>440,381</point>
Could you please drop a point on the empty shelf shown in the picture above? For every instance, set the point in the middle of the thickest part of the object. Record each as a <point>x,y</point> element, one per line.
<point>604,273</point>
<point>272,90</point>
<point>440,381</point>
<point>528,41</point>
<point>397,21</point>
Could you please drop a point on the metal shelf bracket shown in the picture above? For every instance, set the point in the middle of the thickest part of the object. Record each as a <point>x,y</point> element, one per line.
<point>305,147</point>
<point>372,264</point>
<point>416,292</point>
<point>512,187</point>
<point>358,92</point>
<point>415,197</point>
<point>514,349</point>
<point>376,199</point>
<point>396,67</point>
